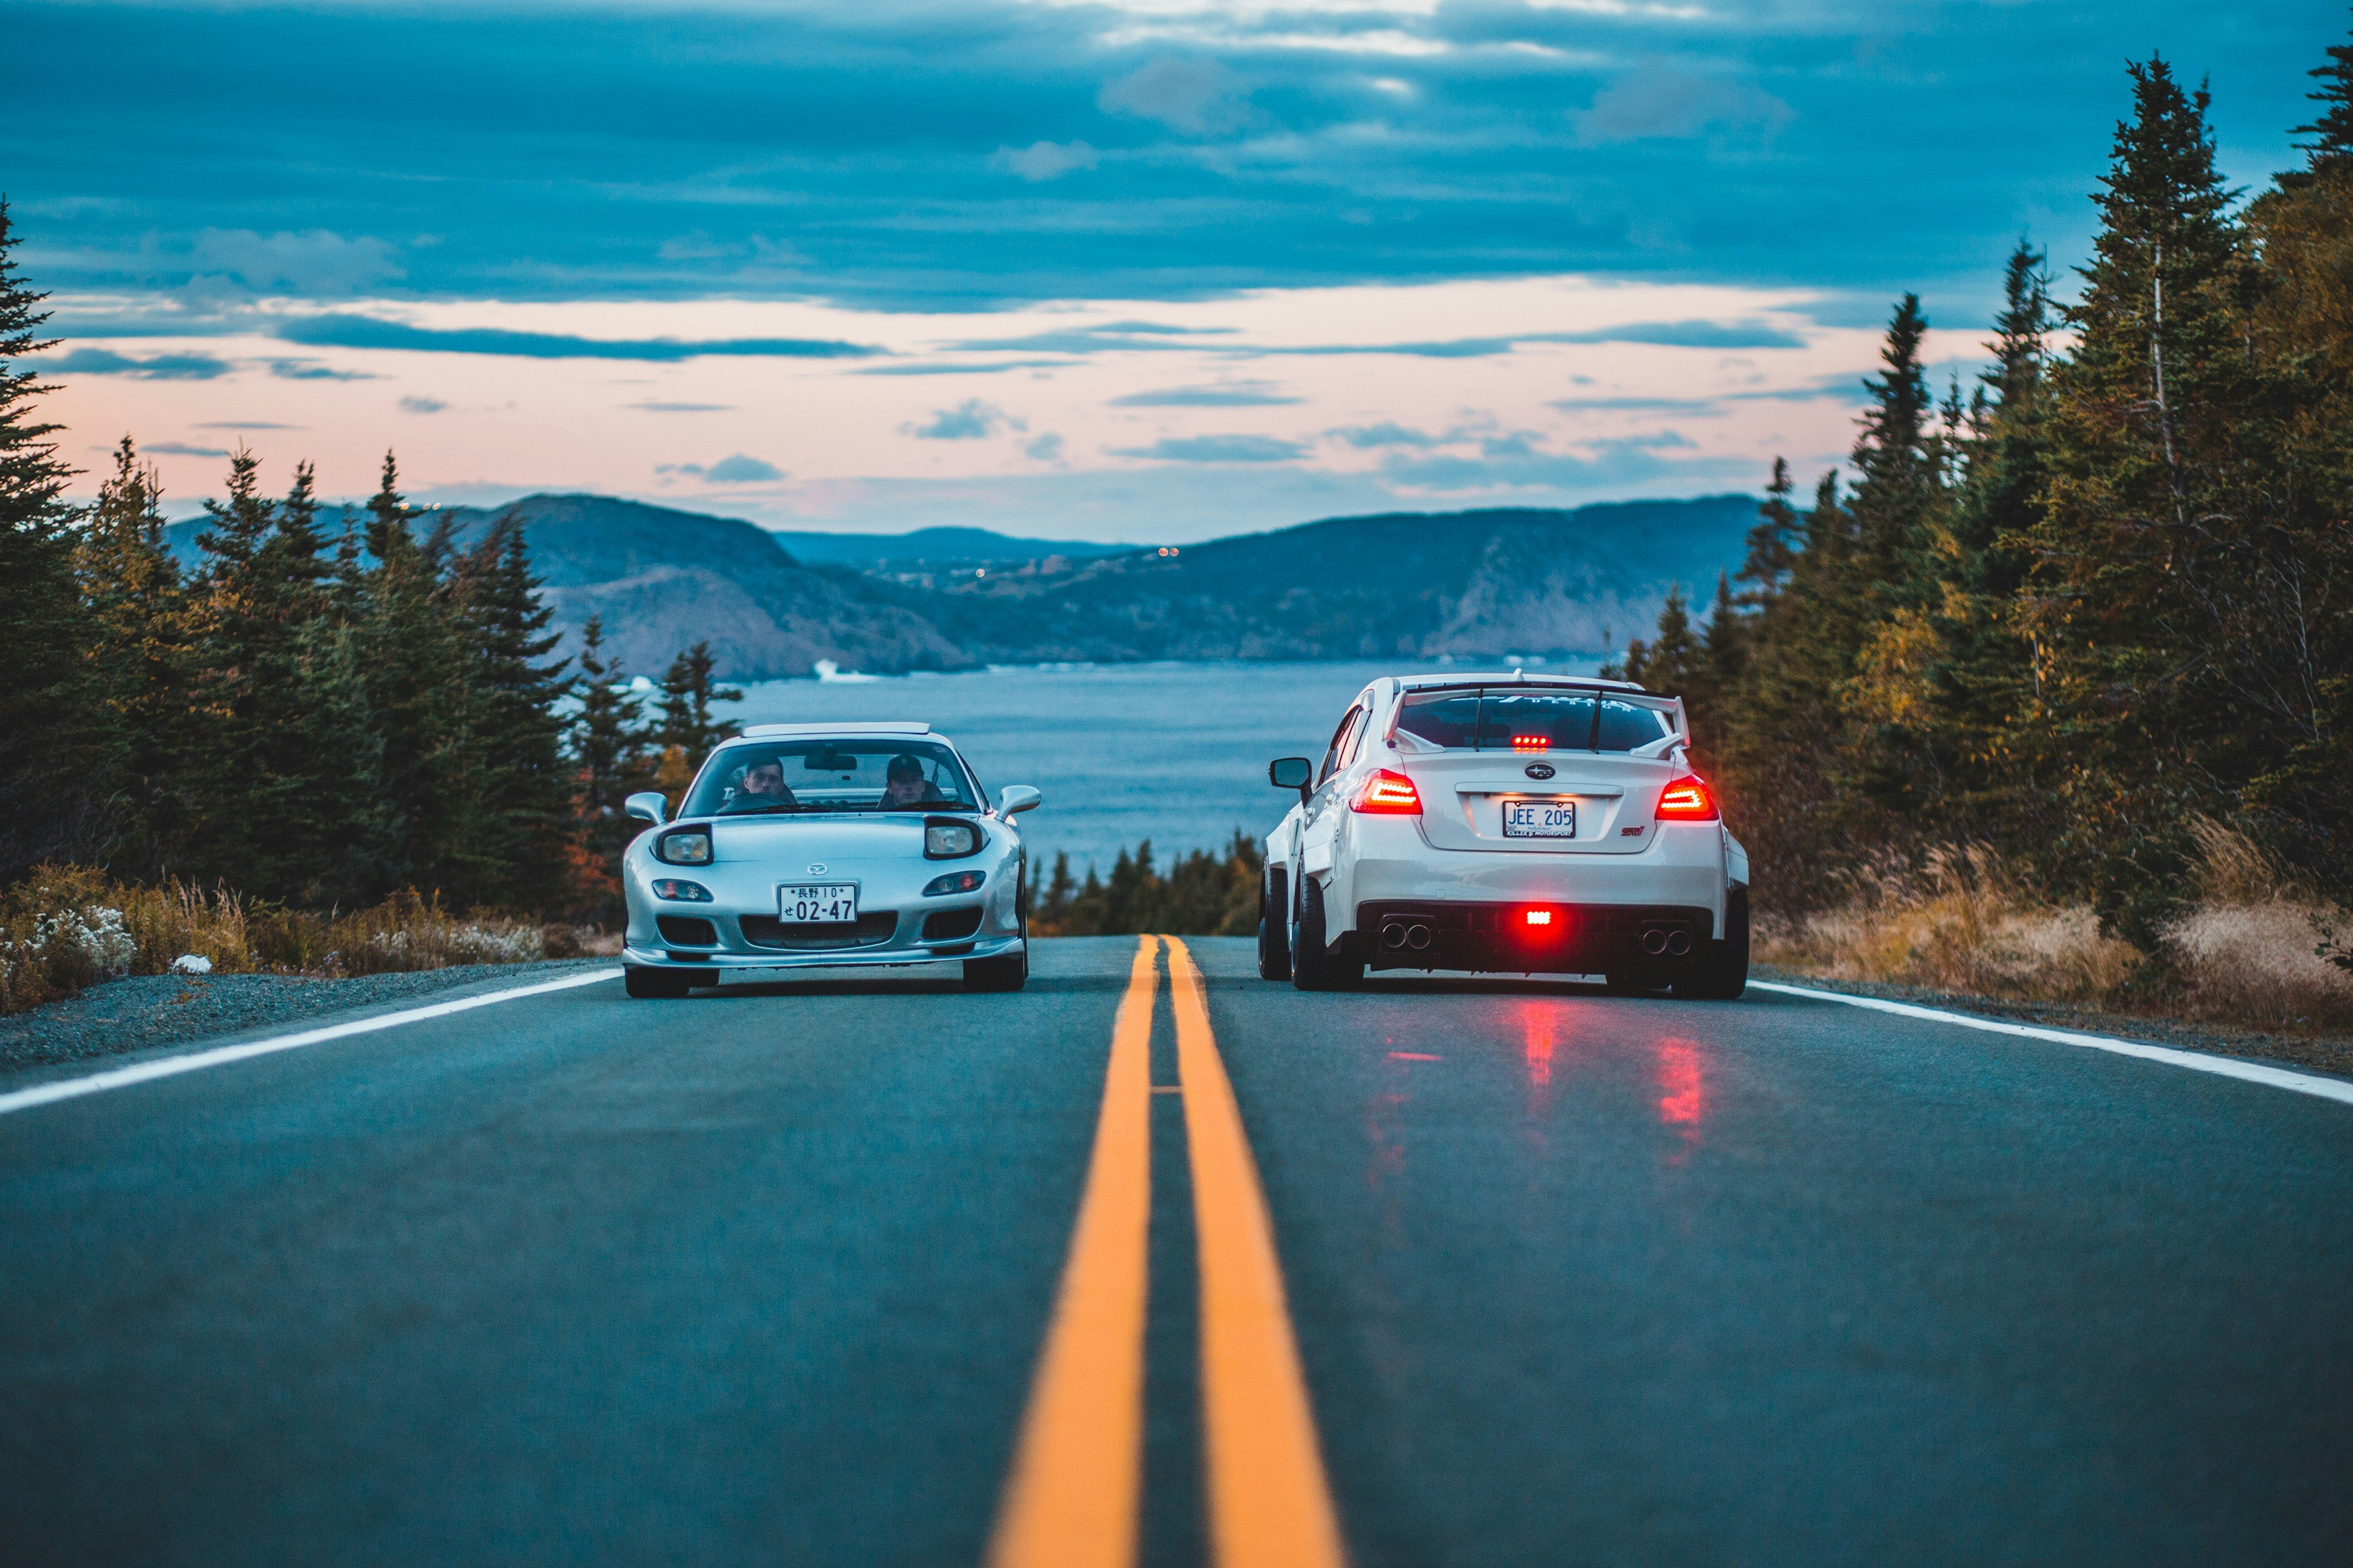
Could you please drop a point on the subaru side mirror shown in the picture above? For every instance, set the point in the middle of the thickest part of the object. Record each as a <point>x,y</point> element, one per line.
<point>648,805</point>
<point>1291,773</point>
<point>1018,798</point>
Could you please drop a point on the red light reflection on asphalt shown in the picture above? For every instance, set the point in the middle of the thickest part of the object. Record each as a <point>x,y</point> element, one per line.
<point>1535,1021</point>
<point>1684,1105</point>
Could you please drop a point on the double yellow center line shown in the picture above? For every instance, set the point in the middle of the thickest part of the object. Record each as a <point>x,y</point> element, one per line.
<point>1077,1482</point>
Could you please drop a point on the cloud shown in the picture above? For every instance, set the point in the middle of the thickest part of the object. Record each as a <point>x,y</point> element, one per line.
<point>968,421</point>
<point>1109,338</point>
<point>1043,161</point>
<point>1656,334</point>
<point>105,361</point>
<point>944,367</point>
<point>1613,137</point>
<point>1216,450</point>
<point>651,407</point>
<point>1388,433</point>
<point>369,333</point>
<point>422,406</point>
<point>311,370</point>
<point>181,450</point>
<point>1225,395</point>
<point>738,470</point>
<point>310,263</point>
<point>1200,97</point>
<point>1677,105</point>
<point>1046,448</point>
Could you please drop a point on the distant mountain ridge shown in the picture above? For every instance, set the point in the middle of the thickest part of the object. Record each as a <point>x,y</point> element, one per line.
<point>1410,585</point>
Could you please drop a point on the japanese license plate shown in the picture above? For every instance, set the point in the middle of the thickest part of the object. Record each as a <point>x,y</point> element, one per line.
<point>1540,819</point>
<point>820,903</point>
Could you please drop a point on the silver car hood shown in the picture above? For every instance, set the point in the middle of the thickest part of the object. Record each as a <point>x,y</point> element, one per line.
<point>848,836</point>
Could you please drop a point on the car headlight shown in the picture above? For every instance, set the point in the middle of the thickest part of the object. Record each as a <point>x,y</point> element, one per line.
<point>953,882</point>
<point>681,891</point>
<point>950,840</point>
<point>687,846</point>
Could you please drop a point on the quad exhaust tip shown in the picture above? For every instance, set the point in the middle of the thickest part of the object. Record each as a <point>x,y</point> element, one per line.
<point>1659,940</point>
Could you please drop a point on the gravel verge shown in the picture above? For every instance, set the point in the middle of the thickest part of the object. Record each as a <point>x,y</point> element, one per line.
<point>150,1010</point>
<point>2331,1053</point>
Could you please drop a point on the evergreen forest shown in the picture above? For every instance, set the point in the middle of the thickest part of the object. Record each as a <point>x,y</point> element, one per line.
<point>2094,609</point>
<point>313,720</point>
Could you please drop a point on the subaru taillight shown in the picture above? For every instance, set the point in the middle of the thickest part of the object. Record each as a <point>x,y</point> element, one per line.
<point>1387,794</point>
<point>1687,799</point>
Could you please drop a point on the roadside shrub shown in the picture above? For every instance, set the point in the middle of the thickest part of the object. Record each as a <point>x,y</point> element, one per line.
<point>1963,920</point>
<point>1960,921</point>
<point>64,927</point>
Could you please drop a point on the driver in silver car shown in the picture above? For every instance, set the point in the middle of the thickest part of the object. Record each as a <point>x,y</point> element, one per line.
<point>763,785</point>
<point>905,784</point>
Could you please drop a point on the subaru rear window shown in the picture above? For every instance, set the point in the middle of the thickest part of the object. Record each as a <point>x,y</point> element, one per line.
<point>1520,720</point>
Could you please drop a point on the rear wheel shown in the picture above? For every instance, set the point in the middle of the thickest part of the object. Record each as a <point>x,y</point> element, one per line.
<point>1009,971</point>
<point>1723,975</point>
<point>1314,965</point>
<point>1274,926</point>
<point>641,981</point>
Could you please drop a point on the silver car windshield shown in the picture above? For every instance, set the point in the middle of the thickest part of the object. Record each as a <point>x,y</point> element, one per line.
<point>863,772</point>
<point>1518,719</point>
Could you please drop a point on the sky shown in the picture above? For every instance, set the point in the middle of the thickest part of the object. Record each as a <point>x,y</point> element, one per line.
<point>1155,271</point>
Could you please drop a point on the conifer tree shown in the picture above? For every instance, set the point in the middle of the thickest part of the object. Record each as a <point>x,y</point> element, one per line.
<point>131,586</point>
<point>57,761</point>
<point>284,769</point>
<point>687,694</point>
<point>420,689</point>
<point>610,760</point>
<point>528,800</point>
<point>2170,590</point>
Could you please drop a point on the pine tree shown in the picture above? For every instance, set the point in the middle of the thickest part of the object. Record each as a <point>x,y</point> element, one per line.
<point>420,692</point>
<point>283,772</point>
<point>2180,559</point>
<point>687,694</point>
<point>131,586</point>
<point>58,761</point>
<point>610,762</point>
<point>529,801</point>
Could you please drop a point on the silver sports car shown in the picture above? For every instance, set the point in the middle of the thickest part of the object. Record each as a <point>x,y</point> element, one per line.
<point>820,845</point>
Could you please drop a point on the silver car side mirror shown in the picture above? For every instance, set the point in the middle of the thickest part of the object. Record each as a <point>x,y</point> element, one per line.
<point>1018,798</point>
<point>648,805</point>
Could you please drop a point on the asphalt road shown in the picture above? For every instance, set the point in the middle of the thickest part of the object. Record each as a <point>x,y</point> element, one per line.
<point>770,1277</point>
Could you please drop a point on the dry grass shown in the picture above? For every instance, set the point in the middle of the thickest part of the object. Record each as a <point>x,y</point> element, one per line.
<point>65,927</point>
<point>2244,955</point>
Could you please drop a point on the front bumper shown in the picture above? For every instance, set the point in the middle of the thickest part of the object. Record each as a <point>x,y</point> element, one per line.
<point>838,958</point>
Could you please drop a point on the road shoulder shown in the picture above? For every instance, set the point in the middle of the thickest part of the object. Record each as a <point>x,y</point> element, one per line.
<point>2322,1053</point>
<point>124,1021</point>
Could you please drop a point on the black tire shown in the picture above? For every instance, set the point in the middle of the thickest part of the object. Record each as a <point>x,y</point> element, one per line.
<point>1008,972</point>
<point>1314,965</point>
<point>1274,925</point>
<point>662,984</point>
<point>1723,975</point>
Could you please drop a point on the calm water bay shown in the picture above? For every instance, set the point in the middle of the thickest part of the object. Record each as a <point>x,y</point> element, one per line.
<point>1173,753</point>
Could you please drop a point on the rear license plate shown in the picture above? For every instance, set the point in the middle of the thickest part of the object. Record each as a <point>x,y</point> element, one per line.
<point>822,903</point>
<point>1540,819</point>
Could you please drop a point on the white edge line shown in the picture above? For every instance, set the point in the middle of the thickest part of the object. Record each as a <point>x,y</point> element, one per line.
<point>2196,1061</point>
<point>196,1061</point>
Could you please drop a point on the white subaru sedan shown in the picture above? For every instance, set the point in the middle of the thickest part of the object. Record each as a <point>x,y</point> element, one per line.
<point>1508,824</point>
<point>820,846</point>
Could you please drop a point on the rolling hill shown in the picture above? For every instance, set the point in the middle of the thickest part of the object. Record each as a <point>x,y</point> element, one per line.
<point>1406,584</point>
